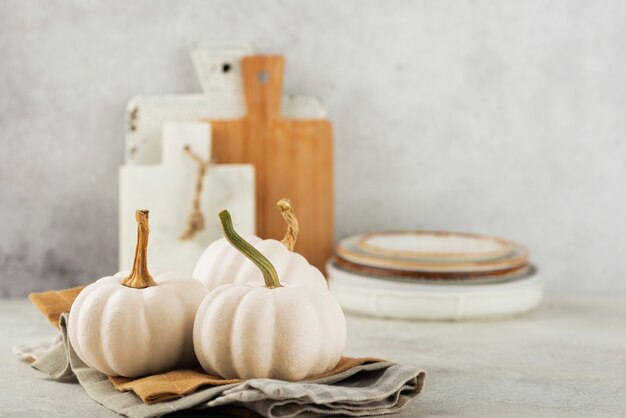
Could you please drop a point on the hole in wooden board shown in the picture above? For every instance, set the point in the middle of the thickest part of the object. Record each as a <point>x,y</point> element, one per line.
<point>263,76</point>
<point>226,67</point>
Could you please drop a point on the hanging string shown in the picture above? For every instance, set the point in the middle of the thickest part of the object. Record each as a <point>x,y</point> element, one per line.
<point>195,223</point>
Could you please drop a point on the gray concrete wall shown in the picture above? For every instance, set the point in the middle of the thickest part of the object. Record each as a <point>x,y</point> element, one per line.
<point>502,117</point>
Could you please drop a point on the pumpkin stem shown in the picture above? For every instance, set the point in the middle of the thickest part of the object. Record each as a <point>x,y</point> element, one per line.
<point>269,272</point>
<point>293,227</point>
<point>140,277</point>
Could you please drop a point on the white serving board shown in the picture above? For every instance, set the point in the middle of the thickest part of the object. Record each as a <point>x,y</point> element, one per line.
<point>167,190</point>
<point>433,302</point>
<point>219,72</point>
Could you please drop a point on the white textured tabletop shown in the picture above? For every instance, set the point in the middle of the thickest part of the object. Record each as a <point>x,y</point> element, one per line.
<point>567,358</point>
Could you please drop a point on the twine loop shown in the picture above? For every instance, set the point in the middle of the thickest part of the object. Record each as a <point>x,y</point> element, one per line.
<point>195,222</point>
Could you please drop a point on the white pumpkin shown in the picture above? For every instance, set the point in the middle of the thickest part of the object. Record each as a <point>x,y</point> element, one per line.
<point>222,264</point>
<point>265,329</point>
<point>136,325</point>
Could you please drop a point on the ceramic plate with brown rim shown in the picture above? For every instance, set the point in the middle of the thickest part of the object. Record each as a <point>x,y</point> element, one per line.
<point>434,245</point>
<point>432,277</point>
<point>350,250</point>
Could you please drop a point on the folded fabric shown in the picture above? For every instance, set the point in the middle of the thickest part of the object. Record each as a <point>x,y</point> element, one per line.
<point>383,388</point>
<point>32,352</point>
<point>55,302</point>
<point>369,389</point>
<point>177,383</point>
<point>356,387</point>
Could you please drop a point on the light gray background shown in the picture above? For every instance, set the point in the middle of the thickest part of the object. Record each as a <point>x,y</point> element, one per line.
<point>501,117</point>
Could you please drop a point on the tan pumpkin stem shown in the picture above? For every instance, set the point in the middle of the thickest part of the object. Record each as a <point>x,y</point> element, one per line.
<point>195,223</point>
<point>269,272</point>
<point>293,227</point>
<point>140,277</point>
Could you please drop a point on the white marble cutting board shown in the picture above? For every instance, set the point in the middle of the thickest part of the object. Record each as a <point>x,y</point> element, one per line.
<point>167,190</point>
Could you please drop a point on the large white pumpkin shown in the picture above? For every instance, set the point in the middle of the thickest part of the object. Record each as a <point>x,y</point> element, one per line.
<point>222,264</point>
<point>136,325</point>
<point>266,329</point>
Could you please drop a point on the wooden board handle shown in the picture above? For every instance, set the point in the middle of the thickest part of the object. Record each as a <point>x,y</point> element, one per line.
<point>263,84</point>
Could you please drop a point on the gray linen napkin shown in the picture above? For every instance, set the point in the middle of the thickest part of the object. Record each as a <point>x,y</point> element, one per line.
<point>370,389</point>
<point>32,352</point>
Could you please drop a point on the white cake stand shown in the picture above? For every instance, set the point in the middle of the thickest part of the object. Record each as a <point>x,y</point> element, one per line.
<point>439,302</point>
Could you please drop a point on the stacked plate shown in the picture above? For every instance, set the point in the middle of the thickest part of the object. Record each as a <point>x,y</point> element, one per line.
<point>433,275</point>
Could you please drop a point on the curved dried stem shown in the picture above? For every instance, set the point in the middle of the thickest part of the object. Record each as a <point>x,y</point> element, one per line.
<point>293,227</point>
<point>140,277</point>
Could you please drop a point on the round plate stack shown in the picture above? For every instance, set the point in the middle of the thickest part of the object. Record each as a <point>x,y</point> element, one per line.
<point>433,276</point>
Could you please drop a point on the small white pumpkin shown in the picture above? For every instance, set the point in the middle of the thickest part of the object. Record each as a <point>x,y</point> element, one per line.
<point>267,330</point>
<point>137,325</point>
<point>222,264</point>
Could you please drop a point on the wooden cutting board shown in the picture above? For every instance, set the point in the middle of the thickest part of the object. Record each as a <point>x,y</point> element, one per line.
<point>292,157</point>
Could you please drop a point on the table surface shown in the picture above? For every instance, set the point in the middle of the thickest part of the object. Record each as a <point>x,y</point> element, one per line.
<point>565,359</point>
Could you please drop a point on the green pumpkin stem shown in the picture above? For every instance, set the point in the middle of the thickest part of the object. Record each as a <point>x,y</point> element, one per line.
<point>140,277</point>
<point>269,272</point>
